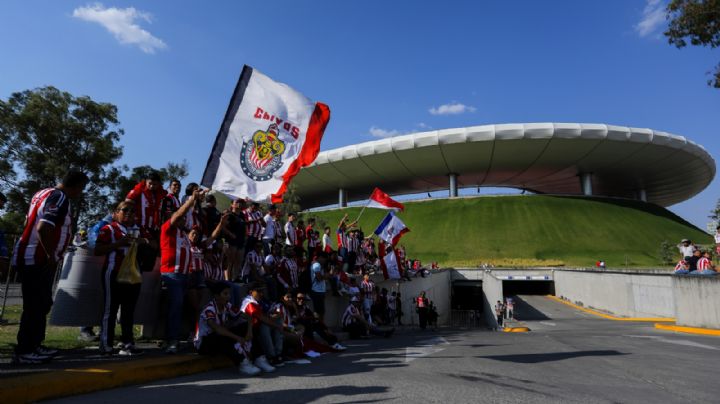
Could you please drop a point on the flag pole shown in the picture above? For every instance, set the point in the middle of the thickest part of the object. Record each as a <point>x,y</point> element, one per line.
<point>363,210</point>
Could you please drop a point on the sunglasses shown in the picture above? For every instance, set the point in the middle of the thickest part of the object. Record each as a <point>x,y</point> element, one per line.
<point>126,210</point>
<point>301,298</point>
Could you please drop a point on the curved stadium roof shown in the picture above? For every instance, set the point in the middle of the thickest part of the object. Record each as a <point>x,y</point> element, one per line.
<point>544,158</point>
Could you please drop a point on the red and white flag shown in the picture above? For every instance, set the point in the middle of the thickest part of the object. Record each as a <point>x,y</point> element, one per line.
<point>389,262</point>
<point>391,229</point>
<point>381,200</point>
<point>269,133</point>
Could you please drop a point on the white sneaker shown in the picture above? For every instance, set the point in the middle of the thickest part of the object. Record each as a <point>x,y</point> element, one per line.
<point>339,347</point>
<point>263,364</point>
<point>247,368</point>
<point>172,347</point>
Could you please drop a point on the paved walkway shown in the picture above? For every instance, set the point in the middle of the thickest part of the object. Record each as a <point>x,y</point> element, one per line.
<point>569,356</point>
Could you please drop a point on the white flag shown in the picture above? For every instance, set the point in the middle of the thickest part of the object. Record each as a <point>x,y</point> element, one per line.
<point>270,131</point>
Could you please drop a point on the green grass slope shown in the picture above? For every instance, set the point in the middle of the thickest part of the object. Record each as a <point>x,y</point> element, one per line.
<point>531,230</point>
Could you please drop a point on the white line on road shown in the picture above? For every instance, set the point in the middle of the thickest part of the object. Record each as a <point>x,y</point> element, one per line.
<point>548,323</point>
<point>425,348</point>
<point>675,341</point>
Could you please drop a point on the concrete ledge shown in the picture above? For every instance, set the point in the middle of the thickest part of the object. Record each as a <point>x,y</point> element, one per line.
<point>611,317</point>
<point>66,382</point>
<point>688,330</point>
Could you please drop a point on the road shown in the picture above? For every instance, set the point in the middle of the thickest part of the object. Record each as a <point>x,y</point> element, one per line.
<point>569,356</point>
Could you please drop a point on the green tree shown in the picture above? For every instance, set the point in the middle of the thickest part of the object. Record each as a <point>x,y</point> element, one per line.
<point>667,253</point>
<point>697,21</point>
<point>44,133</point>
<point>291,201</point>
<point>715,213</point>
<point>124,183</point>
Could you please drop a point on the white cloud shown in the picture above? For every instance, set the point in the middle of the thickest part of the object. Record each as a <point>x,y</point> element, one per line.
<point>123,24</point>
<point>423,125</point>
<point>453,108</point>
<point>653,17</point>
<point>379,132</point>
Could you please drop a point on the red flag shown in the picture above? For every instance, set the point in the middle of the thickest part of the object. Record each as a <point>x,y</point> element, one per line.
<point>380,199</point>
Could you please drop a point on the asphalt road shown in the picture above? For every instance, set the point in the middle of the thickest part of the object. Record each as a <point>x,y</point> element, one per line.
<point>569,356</point>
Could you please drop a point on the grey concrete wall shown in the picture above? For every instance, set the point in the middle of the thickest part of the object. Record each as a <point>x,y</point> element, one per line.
<point>493,291</point>
<point>622,294</point>
<point>697,301</point>
<point>436,287</point>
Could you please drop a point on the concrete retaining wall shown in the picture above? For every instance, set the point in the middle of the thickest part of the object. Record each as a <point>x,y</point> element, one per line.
<point>436,287</point>
<point>492,291</point>
<point>622,294</point>
<point>697,301</point>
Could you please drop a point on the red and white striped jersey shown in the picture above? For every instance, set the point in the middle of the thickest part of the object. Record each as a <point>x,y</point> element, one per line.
<point>367,287</point>
<point>213,268</point>
<point>288,274</point>
<point>50,206</point>
<point>253,224</point>
<point>703,263</point>
<point>342,239</point>
<point>147,206</point>
<point>197,257</point>
<point>252,260</point>
<point>353,244</point>
<point>680,266</point>
<point>112,233</point>
<point>174,250</point>
<point>350,315</point>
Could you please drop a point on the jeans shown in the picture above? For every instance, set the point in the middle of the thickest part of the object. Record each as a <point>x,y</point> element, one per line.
<point>271,340</point>
<point>37,283</point>
<point>176,285</point>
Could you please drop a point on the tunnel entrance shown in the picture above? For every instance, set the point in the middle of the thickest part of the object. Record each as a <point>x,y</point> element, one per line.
<point>467,303</point>
<point>514,288</point>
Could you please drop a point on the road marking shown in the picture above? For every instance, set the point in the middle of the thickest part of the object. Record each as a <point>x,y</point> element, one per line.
<point>425,348</point>
<point>675,341</point>
<point>548,323</point>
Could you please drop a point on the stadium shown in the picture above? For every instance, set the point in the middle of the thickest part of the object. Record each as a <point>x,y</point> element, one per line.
<point>599,191</point>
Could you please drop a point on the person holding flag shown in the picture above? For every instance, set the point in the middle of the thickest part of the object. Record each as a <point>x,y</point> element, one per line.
<point>270,131</point>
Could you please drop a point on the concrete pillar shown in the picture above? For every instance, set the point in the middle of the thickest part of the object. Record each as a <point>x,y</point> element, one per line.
<point>342,198</point>
<point>453,185</point>
<point>586,183</point>
<point>642,195</point>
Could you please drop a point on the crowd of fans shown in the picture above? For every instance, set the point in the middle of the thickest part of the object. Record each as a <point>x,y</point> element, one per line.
<point>256,285</point>
<point>696,260</point>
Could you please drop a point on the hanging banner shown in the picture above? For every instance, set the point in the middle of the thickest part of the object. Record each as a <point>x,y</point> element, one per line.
<point>269,133</point>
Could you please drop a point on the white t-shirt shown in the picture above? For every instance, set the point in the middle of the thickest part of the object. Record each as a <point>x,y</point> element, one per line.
<point>686,251</point>
<point>717,238</point>
<point>317,285</point>
<point>326,242</point>
<point>269,227</point>
<point>290,236</point>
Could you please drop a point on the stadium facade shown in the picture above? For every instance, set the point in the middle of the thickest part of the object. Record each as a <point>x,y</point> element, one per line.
<point>544,158</point>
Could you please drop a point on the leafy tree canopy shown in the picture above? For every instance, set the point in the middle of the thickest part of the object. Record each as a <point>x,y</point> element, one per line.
<point>697,21</point>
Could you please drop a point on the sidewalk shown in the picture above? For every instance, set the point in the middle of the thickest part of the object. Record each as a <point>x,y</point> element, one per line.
<point>82,371</point>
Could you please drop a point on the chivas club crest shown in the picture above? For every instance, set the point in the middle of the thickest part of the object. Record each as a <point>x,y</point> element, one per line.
<point>261,155</point>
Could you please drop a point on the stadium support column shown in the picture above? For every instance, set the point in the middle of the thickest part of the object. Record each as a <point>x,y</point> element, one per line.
<point>342,198</point>
<point>586,183</point>
<point>453,185</point>
<point>642,195</point>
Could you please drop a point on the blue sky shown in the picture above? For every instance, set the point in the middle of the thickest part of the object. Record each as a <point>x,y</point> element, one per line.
<point>382,66</point>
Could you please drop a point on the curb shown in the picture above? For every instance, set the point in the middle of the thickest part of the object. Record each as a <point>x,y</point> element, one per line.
<point>611,317</point>
<point>66,382</point>
<point>516,329</point>
<point>688,330</point>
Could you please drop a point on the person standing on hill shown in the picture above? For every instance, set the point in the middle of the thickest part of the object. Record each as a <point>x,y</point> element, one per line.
<point>687,248</point>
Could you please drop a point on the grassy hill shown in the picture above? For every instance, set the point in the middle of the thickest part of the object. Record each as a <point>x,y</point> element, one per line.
<point>532,230</point>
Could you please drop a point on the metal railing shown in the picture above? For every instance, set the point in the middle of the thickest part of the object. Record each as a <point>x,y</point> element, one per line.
<point>467,318</point>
